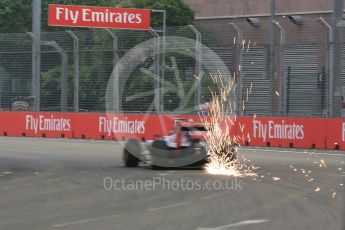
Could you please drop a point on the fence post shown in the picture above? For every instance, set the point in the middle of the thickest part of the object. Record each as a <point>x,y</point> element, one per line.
<point>35,82</point>
<point>162,54</point>
<point>114,73</point>
<point>197,64</point>
<point>157,83</point>
<point>64,72</point>
<point>271,59</point>
<point>288,81</point>
<point>76,70</point>
<point>36,55</point>
<point>282,69</point>
<point>329,55</point>
<point>0,89</point>
<point>336,46</point>
<point>239,57</point>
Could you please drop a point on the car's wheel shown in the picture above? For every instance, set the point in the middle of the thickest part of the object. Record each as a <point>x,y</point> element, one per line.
<point>131,153</point>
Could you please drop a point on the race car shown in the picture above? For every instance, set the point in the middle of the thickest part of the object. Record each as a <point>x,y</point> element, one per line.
<point>183,146</point>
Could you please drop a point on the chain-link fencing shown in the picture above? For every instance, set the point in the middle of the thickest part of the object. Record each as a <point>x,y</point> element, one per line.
<point>281,69</point>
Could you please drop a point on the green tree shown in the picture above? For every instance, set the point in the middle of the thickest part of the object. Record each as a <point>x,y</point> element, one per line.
<point>96,61</point>
<point>178,13</point>
<point>16,16</point>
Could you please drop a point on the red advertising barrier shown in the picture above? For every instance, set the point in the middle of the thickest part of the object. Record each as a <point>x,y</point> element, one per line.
<point>335,133</point>
<point>87,125</point>
<point>98,17</point>
<point>284,132</point>
<point>145,126</point>
<point>36,124</point>
<point>320,133</point>
<point>121,126</point>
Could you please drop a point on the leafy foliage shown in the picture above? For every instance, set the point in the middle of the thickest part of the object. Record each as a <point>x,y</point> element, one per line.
<point>178,13</point>
<point>95,69</point>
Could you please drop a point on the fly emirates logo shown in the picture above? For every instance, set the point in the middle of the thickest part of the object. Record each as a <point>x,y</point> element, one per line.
<point>99,17</point>
<point>44,123</point>
<point>89,15</point>
<point>272,130</point>
<point>120,125</point>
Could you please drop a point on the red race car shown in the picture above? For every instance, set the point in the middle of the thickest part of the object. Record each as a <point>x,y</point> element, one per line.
<point>183,146</point>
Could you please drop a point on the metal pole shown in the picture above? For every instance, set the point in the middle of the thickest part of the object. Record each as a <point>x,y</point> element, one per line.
<point>273,9</point>
<point>114,74</point>
<point>335,79</point>
<point>76,70</point>
<point>197,64</point>
<point>33,69</point>
<point>0,88</point>
<point>271,76</point>
<point>288,83</point>
<point>64,72</point>
<point>282,69</point>
<point>36,53</point>
<point>163,58</point>
<point>329,55</point>
<point>162,73</point>
<point>239,69</point>
<point>157,83</point>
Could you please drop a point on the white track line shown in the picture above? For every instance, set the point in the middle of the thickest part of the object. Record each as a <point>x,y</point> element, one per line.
<point>85,221</point>
<point>211,196</point>
<point>55,179</point>
<point>163,174</point>
<point>293,151</point>
<point>238,224</point>
<point>169,206</point>
<point>62,139</point>
<point>329,154</point>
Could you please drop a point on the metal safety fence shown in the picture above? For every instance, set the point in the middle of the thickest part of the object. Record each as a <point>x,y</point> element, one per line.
<point>281,69</point>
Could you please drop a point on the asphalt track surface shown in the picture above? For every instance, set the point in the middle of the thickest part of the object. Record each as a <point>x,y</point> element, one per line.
<point>66,184</point>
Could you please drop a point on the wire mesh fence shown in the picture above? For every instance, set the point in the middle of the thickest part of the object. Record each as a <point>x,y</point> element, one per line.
<point>281,69</point>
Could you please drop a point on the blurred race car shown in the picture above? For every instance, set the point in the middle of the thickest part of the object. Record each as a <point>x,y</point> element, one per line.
<point>183,146</point>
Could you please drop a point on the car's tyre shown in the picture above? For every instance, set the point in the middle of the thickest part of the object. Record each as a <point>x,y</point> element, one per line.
<point>130,153</point>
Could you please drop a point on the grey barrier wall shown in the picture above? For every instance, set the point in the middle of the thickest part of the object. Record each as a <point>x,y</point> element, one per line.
<point>77,68</point>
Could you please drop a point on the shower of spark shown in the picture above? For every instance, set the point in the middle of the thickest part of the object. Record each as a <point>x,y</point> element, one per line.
<point>222,148</point>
